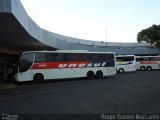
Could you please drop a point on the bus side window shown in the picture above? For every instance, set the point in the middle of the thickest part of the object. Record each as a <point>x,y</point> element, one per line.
<point>40,57</point>
<point>76,57</point>
<point>59,57</point>
<point>142,59</point>
<point>86,57</point>
<point>118,59</point>
<point>68,57</point>
<point>49,57</point>
<point>149,59</point>
<point>95,57</point>
<point>139,59</point>
<point>154,59</point>
<point>109,57</point>
<point>145,59</point>
<point>102,57</point>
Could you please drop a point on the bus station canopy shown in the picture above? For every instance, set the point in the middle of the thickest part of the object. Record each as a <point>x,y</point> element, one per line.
<point>18,30</point>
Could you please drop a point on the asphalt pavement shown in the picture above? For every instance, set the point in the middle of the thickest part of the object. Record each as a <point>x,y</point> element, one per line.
<point>127,93</point>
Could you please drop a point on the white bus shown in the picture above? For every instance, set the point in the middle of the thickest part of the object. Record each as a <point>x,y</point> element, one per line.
<point>147,62</point>
<point>61,64</point>
<point>125,63</point>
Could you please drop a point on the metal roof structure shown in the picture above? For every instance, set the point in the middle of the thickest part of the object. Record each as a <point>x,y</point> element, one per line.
<point>18,30</point>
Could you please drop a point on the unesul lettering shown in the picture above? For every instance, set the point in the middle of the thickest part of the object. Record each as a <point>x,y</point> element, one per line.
<point>82,65</point>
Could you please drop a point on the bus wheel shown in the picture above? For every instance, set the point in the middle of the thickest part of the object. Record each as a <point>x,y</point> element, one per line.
<point>149,68</point>
<point>99,74</point>
<point>121,70</point>
<point>90,74</point>
<point>38,78</point>
<point>142,68</point>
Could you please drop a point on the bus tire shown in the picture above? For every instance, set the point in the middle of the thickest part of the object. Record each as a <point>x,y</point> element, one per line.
<point>90,74</point>
<point>121,70</point>
<point>149,68</point>
<point>38,78</point>
<point>99,74</point>
<point>142,68</point>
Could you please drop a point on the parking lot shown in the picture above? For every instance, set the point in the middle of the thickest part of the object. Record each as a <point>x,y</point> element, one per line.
<point>135,92</point>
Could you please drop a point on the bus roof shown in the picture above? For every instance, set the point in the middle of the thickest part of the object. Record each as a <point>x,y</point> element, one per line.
<point>68,51</point>
<point>147,56</point>
<point>125,55</point>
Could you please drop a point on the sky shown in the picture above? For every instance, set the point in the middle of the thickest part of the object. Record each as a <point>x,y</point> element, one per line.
<point>97,20</point>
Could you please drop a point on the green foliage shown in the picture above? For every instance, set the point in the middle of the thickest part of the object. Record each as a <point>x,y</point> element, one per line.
<point>150,35</point>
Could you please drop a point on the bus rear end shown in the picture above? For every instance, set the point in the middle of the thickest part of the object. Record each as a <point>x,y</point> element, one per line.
<point>125,63</point>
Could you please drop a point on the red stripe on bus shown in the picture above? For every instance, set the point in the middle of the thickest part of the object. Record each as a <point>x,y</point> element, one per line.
<point>54,65</point>
<point>148,62</point>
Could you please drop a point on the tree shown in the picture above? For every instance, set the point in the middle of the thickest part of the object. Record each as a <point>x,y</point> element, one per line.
<point>150,35</point>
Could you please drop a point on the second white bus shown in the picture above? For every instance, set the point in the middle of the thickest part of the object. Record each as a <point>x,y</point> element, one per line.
<point>147,62</point>
<point>61,64</point>
<point>125,63</point>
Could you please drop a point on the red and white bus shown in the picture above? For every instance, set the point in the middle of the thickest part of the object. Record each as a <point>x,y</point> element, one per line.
<point>147,62</point>
<point>61,64</point>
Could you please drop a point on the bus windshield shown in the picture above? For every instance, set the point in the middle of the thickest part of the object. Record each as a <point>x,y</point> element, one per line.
<point>26,61</point>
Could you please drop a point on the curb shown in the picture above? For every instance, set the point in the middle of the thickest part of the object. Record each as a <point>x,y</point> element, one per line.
<point>7,86</point>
